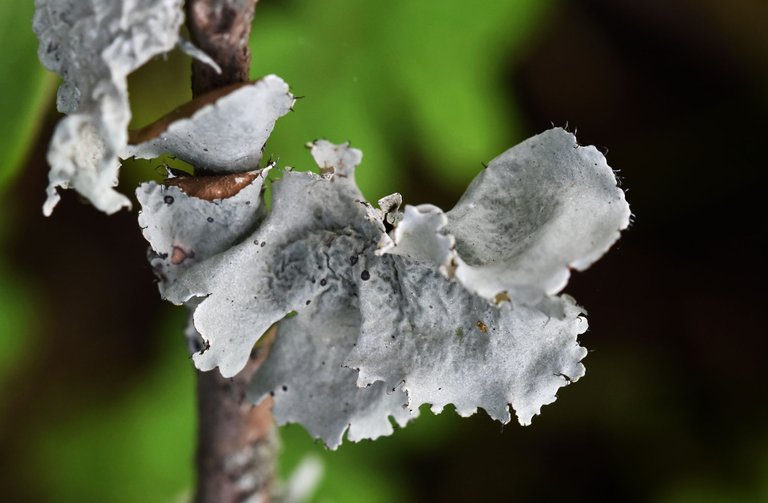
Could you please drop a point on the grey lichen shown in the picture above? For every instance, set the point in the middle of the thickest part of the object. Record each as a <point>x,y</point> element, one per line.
<point>539,210</point>
<point>93,45</point>
<point>183,229</point>
<point>226,136</point>
<point>306,375</point>
<point>443,345</point>
<point>384,322</point>
<point>393,309</point>
<point>295,255</point>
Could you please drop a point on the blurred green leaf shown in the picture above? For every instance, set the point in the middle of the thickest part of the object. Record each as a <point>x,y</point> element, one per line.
<point>19,336</point>
<point>139,450</point>
<point>349,475</point>
<point>406,81</point>
<point>25,86</point>
<point>368,471</point>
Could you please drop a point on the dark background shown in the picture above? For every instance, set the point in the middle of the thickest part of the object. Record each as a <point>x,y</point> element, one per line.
<point>97,403</point>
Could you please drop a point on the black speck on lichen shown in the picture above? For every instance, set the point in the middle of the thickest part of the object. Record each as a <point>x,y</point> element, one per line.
<point>365,275</point>
<point>168,199</point>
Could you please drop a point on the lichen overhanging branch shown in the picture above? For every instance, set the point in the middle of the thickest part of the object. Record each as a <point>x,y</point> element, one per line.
<point>404,307</point>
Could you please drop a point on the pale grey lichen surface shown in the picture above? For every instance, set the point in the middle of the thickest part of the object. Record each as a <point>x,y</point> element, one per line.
<point>289,259</point>
<point>226,136</point>
<point>443,345</point>
<point>383,320</point>
<point>93,45</point>
<point>539,210</point>
<point>184,230</point>
<point>306,375</point>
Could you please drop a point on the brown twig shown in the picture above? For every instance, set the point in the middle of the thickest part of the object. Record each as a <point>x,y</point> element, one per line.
<point>221,29</point>
<point>237,441</point>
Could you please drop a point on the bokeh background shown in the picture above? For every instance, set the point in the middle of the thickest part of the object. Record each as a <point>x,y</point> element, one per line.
<point>96,388</point>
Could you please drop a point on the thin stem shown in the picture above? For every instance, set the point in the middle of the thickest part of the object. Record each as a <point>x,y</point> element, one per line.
<point>220,28</point>
<point>237,441</point>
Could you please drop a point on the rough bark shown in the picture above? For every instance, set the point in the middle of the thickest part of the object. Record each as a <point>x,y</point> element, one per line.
<point>221,29</point>
<point>237,441</point>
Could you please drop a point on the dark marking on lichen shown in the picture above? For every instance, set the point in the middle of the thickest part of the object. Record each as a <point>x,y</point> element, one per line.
<point>168,200</point>
<point>365,275</point>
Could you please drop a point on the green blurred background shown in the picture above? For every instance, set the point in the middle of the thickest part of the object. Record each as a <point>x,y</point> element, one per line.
<point>96,387</point>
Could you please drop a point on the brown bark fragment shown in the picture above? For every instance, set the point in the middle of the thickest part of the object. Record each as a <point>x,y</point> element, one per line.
<point>213,187</point>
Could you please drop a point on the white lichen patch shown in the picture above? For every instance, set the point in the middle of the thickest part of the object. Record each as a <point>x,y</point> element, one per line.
<point>310,385</point>
<point>540,209</point>
<point>392,309</point>
<point>183,230</point>
<point>94,45</point>
<point>316,229</point>
<point>226,136</point>
<point>335,160</point>
<point>417,236</point>
<point>380,325</point>
<point>440,343</point>
<point>537,211</point>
